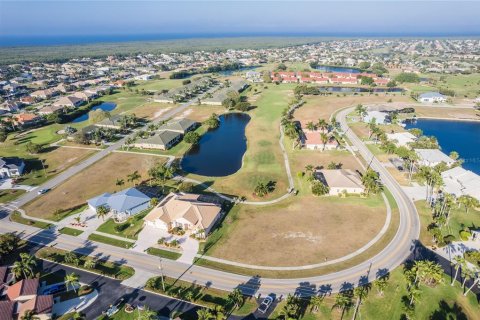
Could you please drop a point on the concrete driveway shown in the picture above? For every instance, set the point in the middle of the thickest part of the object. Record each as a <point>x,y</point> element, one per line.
<point>88,216</point>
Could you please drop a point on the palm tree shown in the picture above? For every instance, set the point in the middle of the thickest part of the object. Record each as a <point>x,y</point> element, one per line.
<point>146,314</point>
<point>361,110</point>
<point>468,202</point>
<point>235,298</point>
<point>316,302</point>
<point>324,139</point>
<point>343,301</point>
<point>261,189</point>
<point>29,315</point>
<point>134,176</point>
<point>311,126</point>
<point>120,182</point>
<point>371,182</point>
<point>72,281</point>
<point>218,313</point>
<point>322,124</point>
<point>204,314</point>
<point>25,267</point>
<point>475,282</point>
<point>102,211</point>
<point>90,264</point>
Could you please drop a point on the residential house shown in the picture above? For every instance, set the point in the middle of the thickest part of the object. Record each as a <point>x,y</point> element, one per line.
<point>401,139</point>
<point>340,181</point>
<point>312,141</point>
<point>69,101</point>
<point>432,97</point>
<point>162,140</point>
<point>9,107</point>
<point>432,157</point>
<point>85,95</point>
<point>112,123</point>
<point>23,290</point>
<point>191,212</point>
<point>181,126</point>
<point>458,181</point>
<point>11,167</point>
<point>27,120</point>
<point>122,204</point>
<point>378,116</point>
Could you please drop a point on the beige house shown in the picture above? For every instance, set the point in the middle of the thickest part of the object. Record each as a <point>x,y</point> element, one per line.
<point>191,212</point>
<point>341,181</point>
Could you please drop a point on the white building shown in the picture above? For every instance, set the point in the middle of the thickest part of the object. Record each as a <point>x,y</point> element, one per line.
<point>340,180</point>
<point>11,167</point>
<point>401,139</point>
<point>432,97</point>
<point>378,116</point>
<point>432,157</point>
<point>458,181</point>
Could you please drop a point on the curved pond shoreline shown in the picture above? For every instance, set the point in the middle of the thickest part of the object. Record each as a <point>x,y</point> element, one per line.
<point>220,151</point>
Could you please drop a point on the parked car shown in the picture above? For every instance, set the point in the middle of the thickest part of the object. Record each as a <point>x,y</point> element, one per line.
<point>266,303</point>
<point>55,289</point>
<point>42,191</point>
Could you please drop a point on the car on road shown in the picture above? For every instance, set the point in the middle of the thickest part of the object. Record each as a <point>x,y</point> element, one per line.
<point>55,289</point>
<point>266,303</point>
<point>42,191</point>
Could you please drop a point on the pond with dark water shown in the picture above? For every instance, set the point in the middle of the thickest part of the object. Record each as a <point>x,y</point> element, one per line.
<point>220,151</point>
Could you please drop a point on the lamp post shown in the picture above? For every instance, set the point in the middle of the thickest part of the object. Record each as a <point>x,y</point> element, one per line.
<point>161,273</point>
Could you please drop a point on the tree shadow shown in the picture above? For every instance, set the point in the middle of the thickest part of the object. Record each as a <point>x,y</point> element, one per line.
<point>445,311</point>
<point>250,287</point>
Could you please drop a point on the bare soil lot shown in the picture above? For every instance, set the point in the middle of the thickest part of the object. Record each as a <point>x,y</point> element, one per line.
<point>99,178</point>
<point>301,230</point>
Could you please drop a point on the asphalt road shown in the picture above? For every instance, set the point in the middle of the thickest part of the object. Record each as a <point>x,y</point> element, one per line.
<point>389,258</point>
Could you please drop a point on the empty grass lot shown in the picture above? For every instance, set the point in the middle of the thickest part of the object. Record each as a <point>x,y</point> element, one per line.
<point>16,217</point>
<point>314,228</point>
<point>10,195</point>
<point>98,178</point>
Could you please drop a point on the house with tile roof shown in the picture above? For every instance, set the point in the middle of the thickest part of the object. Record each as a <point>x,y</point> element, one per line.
<point>191,212</point>
<point>340,180</point>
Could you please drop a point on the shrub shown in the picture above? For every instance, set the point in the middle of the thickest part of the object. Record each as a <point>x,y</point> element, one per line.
<point>121,227</point>
<point>465,235</point>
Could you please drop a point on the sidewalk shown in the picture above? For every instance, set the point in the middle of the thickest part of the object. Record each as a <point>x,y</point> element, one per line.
<point>77,304</point>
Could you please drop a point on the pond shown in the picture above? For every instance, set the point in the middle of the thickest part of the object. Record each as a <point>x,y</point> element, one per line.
<point>105,106</point>
<point>460,136</point>
<point>220,151</point>
<point>227,73</point>
<point>338,69</point>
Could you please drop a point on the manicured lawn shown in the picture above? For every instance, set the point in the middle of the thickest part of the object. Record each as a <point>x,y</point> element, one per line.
<point>163,253</point>
<point>10,195</point>
<point>110,241</point>
<point>208,297</point>
<point>440,302</point>
<point>107,268</point>
<point>459,220</point>
<point>16,217</point>
<point>89,183</point>
<point>130,228</point>
<point>70,231</point>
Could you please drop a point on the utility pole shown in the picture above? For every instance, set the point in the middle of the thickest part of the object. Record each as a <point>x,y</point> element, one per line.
<point>162,275</point>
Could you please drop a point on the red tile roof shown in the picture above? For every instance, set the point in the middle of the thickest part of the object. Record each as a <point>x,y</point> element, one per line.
<point>24,287</point>
<point>7,309</point>
<point>39,305</point>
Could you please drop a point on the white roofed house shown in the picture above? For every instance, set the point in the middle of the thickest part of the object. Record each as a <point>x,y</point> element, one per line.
<point>11,167</point>
<point>401,139</point>
<point>122,204</point>
<point>340,181</point>
<point>191,212</point>
<point>459,182</point>
<point>432,157</point>
<point>432,97</point>
<point>378,117</point>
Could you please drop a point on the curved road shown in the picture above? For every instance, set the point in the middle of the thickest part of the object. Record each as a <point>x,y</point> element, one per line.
<point>389,258</point>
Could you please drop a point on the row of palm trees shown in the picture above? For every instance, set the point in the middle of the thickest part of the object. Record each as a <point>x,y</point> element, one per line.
<point>234,300</point>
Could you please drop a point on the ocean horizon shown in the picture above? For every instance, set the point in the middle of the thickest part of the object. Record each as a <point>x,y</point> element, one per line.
<point>56,40</point>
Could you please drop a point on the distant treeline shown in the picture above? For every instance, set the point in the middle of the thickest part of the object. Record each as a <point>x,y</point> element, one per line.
<point>60,53</point>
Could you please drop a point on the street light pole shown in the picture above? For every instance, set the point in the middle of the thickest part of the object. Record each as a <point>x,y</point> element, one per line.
<point>162,276</point>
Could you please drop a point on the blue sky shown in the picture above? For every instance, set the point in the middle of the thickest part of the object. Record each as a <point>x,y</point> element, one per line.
<point>31,18</point>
